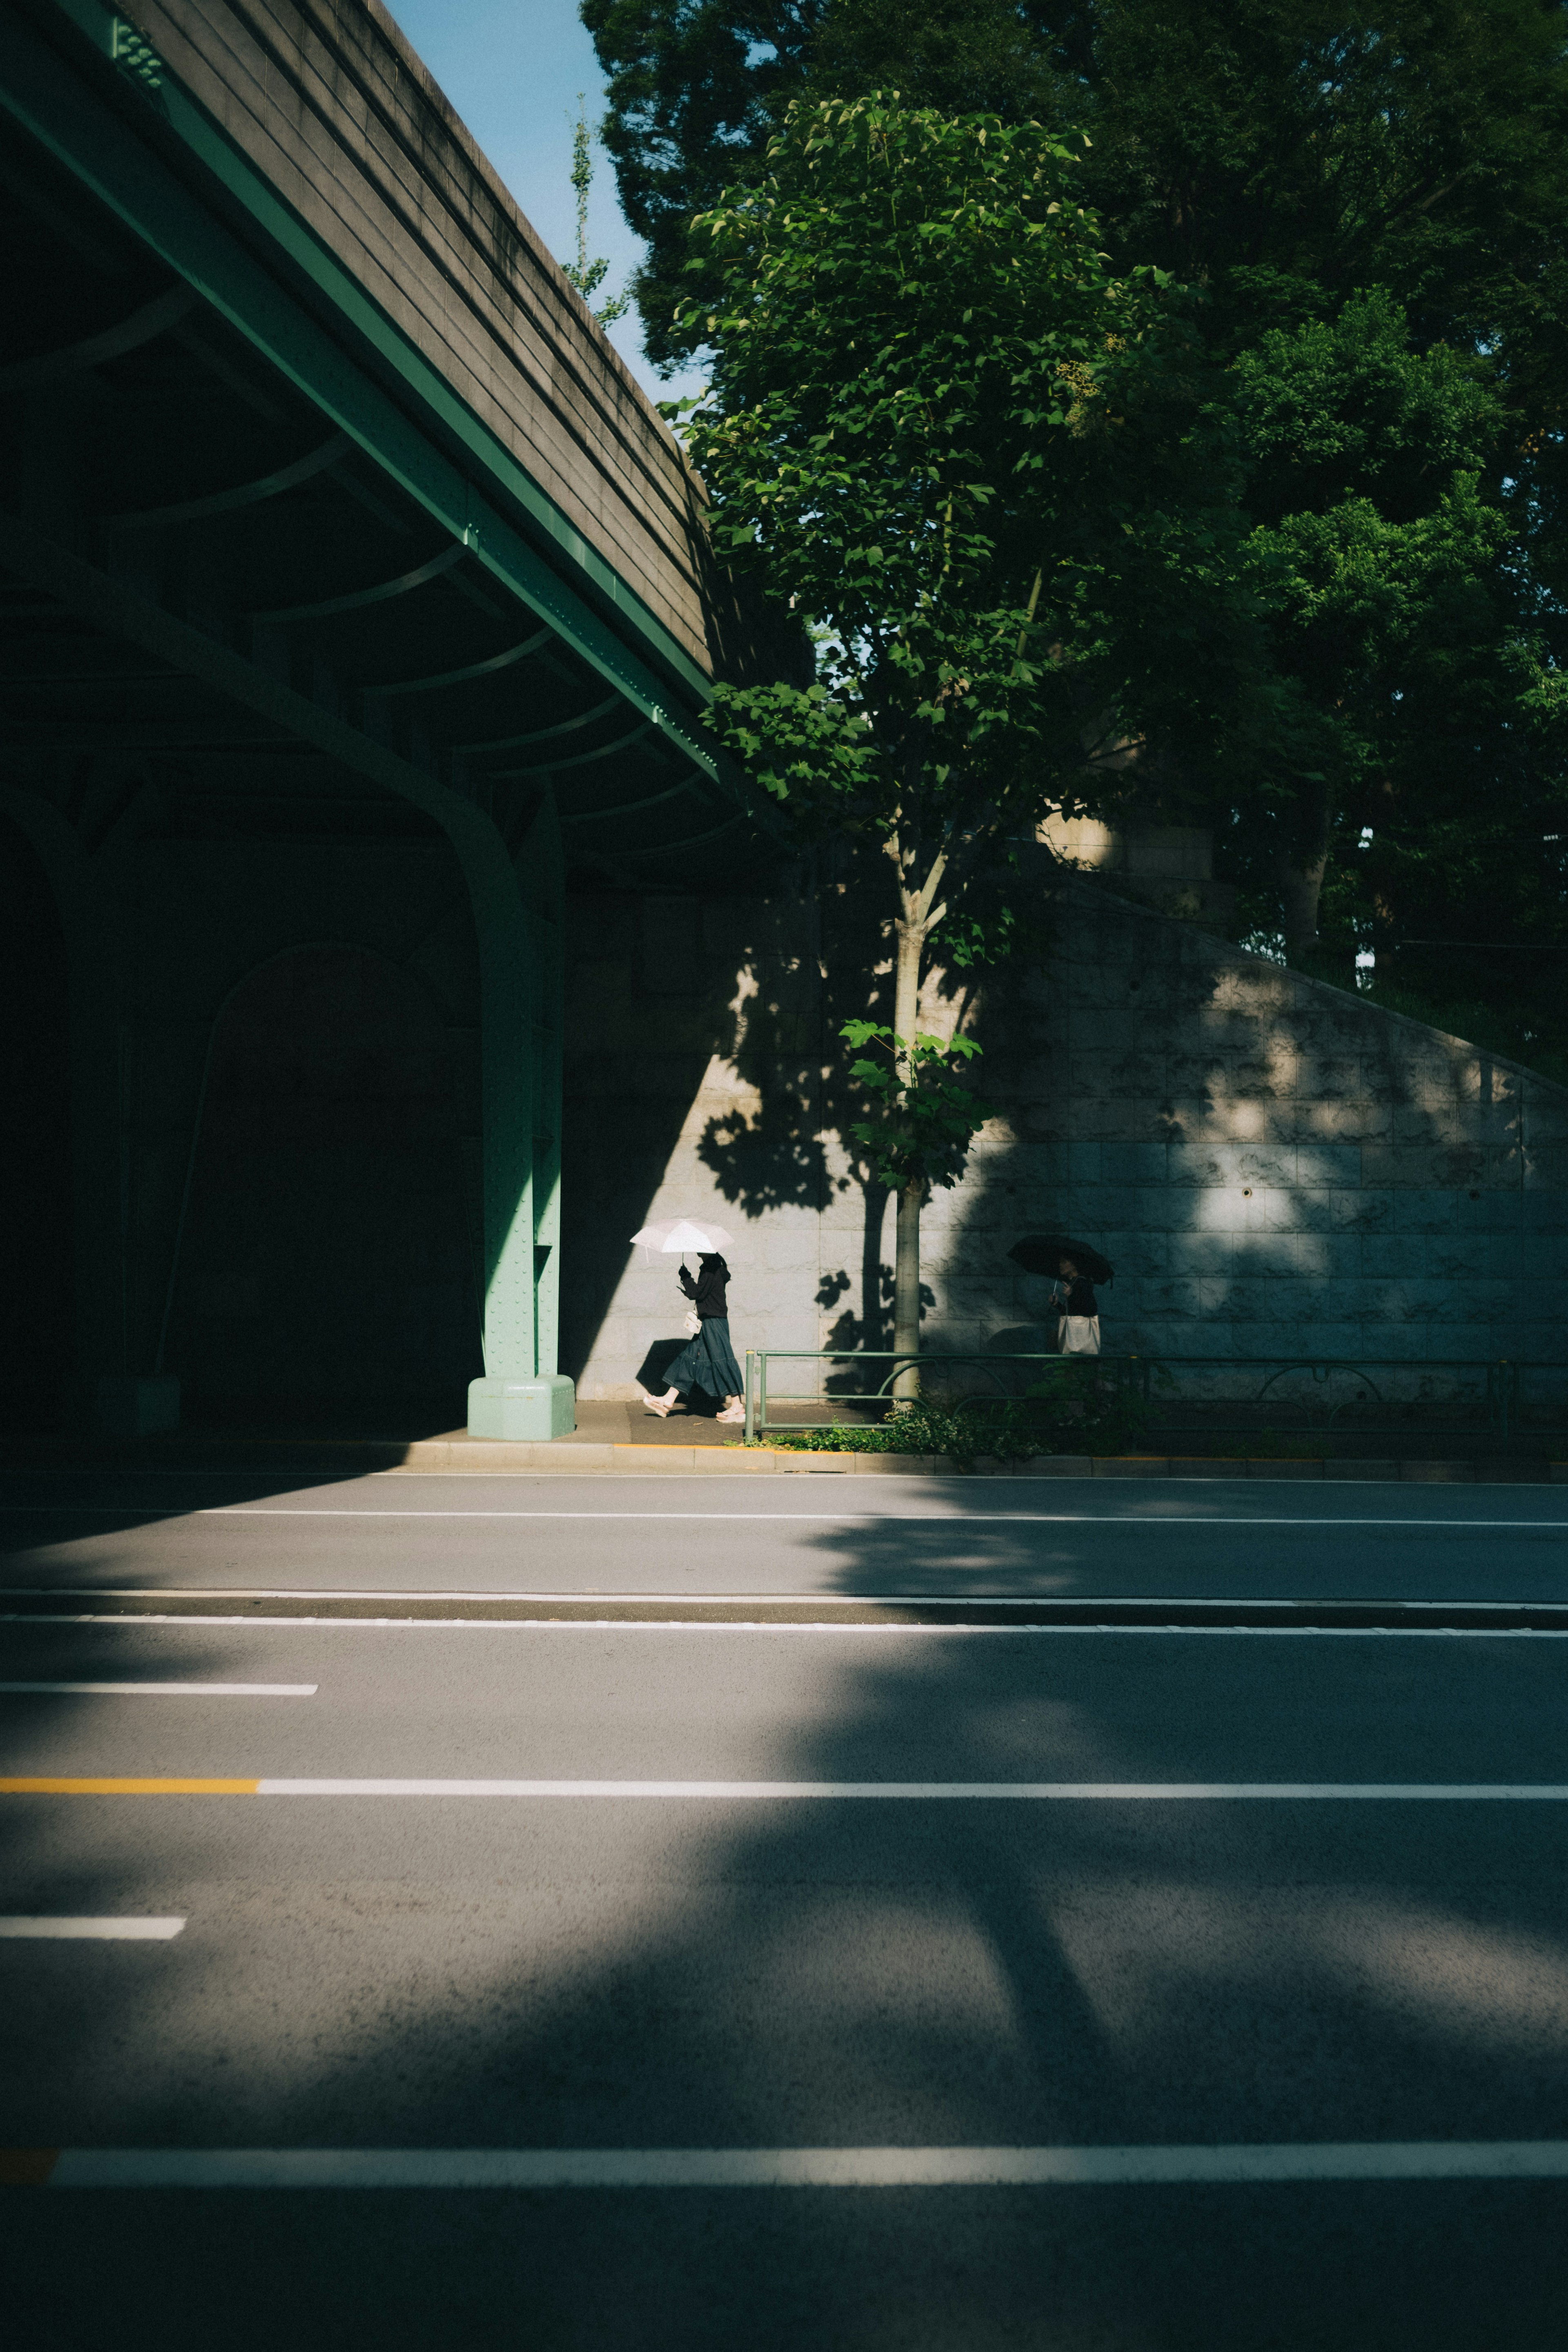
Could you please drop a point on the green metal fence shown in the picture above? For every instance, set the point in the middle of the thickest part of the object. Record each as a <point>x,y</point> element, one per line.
<point>1437,1396</point>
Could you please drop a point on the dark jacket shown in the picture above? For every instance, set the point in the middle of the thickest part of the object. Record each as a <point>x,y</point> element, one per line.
<point>708,1289</point>
<point>1080,1298</point>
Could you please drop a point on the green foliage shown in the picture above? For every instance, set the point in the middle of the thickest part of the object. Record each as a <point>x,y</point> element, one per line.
<point>1372,205</point>
<point>1380,551</point>
<point>963,450</point>
<point>960,1432</point>
<point>693,88</point>
<point>1091,1405</point>
<point>928,1118</point>
<point>1079,1408</point>
<point>1417,653</point>
<point>587,276</point>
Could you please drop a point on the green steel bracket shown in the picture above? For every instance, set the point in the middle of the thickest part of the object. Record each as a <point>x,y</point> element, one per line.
<point>135,53</point>
<point>121,42</point>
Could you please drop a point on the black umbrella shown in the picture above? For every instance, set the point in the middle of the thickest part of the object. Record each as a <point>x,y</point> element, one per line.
<point>1043,1253</point>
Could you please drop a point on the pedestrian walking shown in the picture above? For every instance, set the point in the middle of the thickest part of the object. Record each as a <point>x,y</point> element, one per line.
<point>708,1360</point>
<point>1077,1325</point>
<point>1072,1269</point>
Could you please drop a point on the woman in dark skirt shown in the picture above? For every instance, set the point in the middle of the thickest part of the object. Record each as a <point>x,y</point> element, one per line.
<point>708,1361</point>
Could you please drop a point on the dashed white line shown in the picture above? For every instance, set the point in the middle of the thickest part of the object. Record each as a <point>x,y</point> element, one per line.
<point>24,1927</point>
<point>167,1690</point>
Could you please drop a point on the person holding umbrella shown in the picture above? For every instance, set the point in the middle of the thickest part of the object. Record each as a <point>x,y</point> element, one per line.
<point>1077,1267</point>
<point>1077,1327</point>
<point>708,1359</point>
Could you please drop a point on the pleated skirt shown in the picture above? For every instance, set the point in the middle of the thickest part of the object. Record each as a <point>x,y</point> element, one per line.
<point>708,1361</point>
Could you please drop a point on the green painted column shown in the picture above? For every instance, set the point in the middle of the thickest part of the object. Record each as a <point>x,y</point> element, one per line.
<point>517,916</point>
<point>543,879</point>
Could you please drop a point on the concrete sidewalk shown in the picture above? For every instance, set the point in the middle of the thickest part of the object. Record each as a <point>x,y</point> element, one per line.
<point>616,1437</point>
<point>563,1456</point>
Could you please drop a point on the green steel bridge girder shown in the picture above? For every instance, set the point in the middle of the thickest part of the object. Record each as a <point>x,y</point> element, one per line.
<point>100,150</point>
<point>380,400</point>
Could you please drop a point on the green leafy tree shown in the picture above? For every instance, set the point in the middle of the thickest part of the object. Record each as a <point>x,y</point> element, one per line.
<point>1381,549</point>
<point>587,276</point>
<point>928,1119</point>
<point>954,443</point>
<point>1299,162</point>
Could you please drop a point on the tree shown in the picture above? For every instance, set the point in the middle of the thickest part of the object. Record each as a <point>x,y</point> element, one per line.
<point>1380,549</point>
<point>587,276</point>
<point>1293,161</point>
<point>694,88</point>
<point>954,443</point>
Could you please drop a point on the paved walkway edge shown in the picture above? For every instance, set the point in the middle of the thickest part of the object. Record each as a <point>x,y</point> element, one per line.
<point>482,1454</point>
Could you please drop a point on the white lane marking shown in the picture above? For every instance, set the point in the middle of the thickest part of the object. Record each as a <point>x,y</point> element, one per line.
<point>804,2167</point>
<point>938,1518</point>
<point>963,1791</point>
<point>687,1625</point>
<point>725,1518</point>
<point>174,1690</point>
<point>98,1931</point>
<point>630,1598</point>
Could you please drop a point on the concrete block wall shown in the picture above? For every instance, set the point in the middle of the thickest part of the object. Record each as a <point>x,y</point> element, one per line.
<point>1274,1166</point>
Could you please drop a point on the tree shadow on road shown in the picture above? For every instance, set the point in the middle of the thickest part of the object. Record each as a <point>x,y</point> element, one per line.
<point>819,1973</point>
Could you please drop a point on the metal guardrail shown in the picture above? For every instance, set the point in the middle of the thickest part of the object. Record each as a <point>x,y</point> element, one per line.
<point>759,1358</point>
<point>1499,1388</point>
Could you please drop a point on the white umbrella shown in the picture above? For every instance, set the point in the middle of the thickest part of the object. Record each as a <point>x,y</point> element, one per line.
<point>680,1234</point>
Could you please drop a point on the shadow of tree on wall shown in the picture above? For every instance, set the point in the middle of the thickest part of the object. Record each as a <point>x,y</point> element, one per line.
<point>1138,1047</point>
<point>791,1149</point>
<point>1275,1165</point>
<point>660,993</point>
<point>740,995</point>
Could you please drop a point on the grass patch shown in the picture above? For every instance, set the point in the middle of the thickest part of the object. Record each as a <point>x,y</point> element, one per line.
<point>1078,1408</point>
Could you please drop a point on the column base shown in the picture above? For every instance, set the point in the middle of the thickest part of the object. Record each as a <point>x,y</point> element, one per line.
<point>543,1407</point>
<point>137,1404</point>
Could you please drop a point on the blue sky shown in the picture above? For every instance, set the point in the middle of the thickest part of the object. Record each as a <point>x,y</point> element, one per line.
<point>514,68</point>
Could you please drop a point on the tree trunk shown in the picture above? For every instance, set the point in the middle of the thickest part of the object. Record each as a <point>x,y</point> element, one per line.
<point>907,1292</point>
<point>907,1262</point>
<point>1300,868</point>
<point>1301,887</point>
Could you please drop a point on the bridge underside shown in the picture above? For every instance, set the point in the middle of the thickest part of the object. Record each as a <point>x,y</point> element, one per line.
<point>302,720</point>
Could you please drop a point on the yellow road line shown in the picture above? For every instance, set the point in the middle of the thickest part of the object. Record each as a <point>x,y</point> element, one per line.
<point>61,1788</point>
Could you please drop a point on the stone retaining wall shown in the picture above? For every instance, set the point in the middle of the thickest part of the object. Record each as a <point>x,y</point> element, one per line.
<point>1275,1166</point>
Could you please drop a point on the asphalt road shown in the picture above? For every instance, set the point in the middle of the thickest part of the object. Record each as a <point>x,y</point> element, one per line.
<point>707,1534</point>
<point>649,1969</point>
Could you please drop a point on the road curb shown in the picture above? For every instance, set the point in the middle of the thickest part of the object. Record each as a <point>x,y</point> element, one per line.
<point>488,1455</point>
